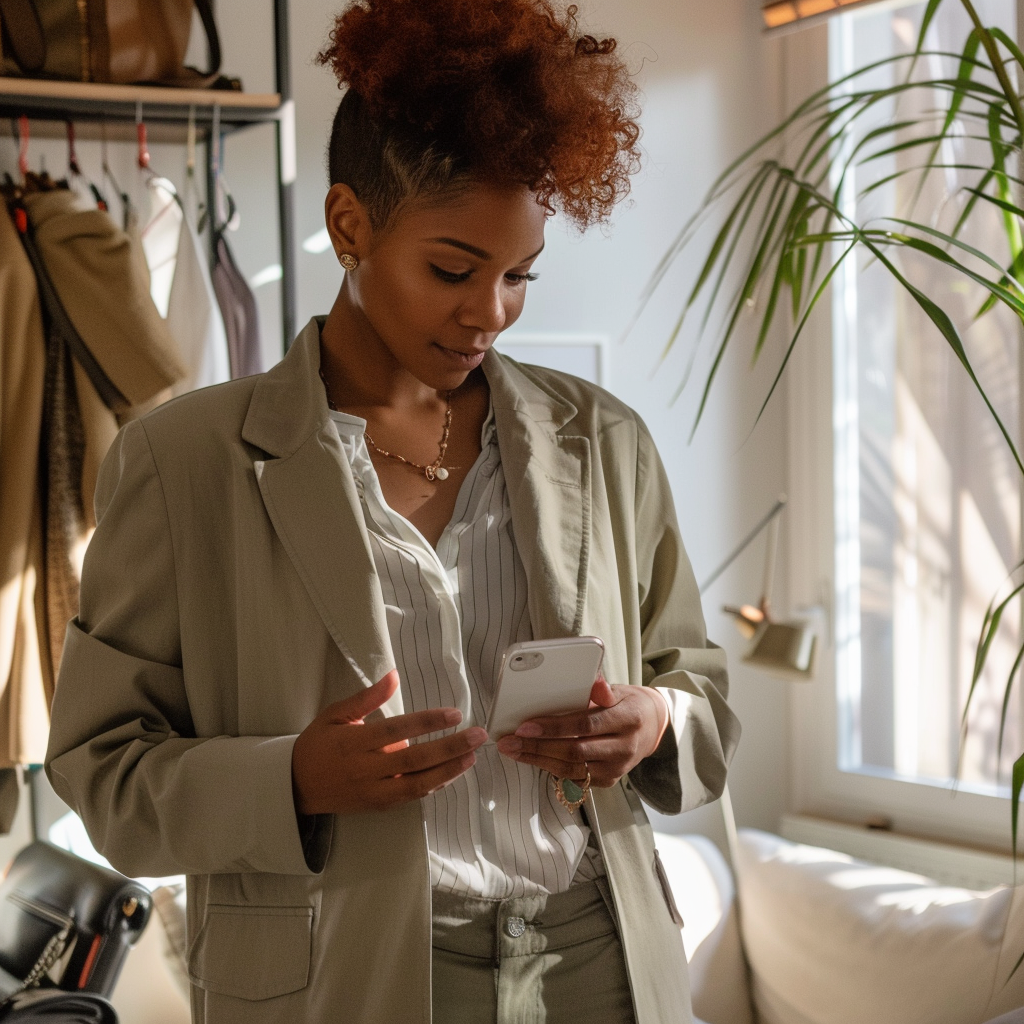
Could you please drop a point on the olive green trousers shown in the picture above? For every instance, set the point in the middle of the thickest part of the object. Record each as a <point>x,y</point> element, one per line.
<point>534,960</point>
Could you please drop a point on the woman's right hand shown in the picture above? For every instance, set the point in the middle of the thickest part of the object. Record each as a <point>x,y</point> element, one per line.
<point>342,764</point>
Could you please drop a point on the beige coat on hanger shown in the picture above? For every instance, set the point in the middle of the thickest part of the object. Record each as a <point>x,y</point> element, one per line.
<point>230,594</point>
<point>26,673</point>
<point>100,276</point>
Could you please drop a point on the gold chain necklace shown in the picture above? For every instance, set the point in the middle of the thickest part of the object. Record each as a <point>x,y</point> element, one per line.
<point>435,471</point>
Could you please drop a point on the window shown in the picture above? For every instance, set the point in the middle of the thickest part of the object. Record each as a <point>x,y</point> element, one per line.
<point>925,495</point>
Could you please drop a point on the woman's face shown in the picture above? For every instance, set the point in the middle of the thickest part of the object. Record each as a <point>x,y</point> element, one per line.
<point>445,278</point>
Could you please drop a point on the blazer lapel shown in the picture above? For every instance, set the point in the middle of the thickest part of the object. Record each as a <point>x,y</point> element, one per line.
<point>547,471</point>
<point>310,496</point>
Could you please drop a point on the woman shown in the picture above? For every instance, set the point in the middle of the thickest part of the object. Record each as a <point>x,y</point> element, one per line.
<point>298,594</point>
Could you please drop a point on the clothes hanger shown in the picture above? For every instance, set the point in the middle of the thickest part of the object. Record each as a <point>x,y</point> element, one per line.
<point>75,170</point>
<point>208,209</point>
<point>221,206</point>
<point>23,138</point>
<point>31,181</point>
<point>13,191</point>
<point>152,179</point>
<point>142,157</point>
<point>108,175</point>
<point>191,192</point>
<point>149,176</point>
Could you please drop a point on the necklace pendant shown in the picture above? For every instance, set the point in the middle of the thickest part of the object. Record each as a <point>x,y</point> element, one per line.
<point>429,473</point>
<point>441,473</point>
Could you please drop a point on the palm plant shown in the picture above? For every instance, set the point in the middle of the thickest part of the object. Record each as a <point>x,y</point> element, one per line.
<point>788,225</point>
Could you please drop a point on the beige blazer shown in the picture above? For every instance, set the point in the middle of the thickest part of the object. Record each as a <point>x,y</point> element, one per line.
<point>229,594</point>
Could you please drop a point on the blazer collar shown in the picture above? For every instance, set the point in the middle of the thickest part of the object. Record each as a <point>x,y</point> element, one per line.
<point>287,403</point>
<point>311,498</point>
<point>547,466</point>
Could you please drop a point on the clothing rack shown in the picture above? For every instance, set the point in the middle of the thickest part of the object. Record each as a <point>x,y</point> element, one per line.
<point>169,111</point>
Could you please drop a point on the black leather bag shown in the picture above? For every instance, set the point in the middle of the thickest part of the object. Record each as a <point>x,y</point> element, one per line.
<point>49,1006</point>
<point>57,910</point>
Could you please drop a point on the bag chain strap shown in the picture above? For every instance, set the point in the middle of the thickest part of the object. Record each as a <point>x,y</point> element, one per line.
<point>51,953</point>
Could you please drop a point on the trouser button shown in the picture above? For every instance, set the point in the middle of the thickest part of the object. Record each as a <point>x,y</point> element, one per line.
<point>515,926</point>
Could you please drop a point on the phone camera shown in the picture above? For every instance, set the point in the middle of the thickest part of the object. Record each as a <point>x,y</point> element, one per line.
<point>526,661</point>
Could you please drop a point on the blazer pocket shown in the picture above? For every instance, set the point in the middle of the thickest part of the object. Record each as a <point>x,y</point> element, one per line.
<point>252,952</point>
<point>666,890</point>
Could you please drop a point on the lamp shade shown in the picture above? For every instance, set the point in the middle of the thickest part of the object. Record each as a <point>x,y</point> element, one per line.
<point>784,648</point>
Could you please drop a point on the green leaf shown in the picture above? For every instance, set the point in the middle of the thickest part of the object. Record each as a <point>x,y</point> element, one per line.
<point>988,41</point>
<point>1015,967</point>
<point>1012,277</point>
<point>989,628</point>
<point>929,13</point>
<point>997,290</point>
<point>940,318</point>
<point>934,140</point>
<point>799,330</point>
<point>964,74</point>
<point>800,273</point>
<point>1017,785</point>
<point>990,303</point>
<point>1000,150</point>
<point>773,203</point>
<point>1009,43</point>
<point>737,218</point>
<point>746,202</point>
<point>941,256</point>
<point>969,206</point>
<point>1007,692</point>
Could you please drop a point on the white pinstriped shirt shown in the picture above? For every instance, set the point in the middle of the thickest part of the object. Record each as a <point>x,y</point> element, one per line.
<point>497,831</point>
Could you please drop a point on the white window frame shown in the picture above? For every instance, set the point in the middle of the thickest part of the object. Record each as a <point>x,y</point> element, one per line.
<point>817,786</point>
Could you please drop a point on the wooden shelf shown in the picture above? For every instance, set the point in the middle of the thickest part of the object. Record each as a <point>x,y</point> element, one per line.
<point>91,101</point>
<point>109,112</point>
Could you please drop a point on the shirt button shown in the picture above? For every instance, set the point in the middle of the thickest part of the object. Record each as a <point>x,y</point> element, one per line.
<point>515,926</point>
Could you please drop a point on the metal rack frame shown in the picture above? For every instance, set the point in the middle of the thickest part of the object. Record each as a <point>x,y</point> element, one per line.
<point>169,108</point>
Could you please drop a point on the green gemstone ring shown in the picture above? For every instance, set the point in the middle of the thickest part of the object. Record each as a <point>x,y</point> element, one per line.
<point>571,795</point>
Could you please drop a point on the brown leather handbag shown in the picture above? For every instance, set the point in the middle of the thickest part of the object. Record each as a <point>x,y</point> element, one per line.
<point>126,41</point>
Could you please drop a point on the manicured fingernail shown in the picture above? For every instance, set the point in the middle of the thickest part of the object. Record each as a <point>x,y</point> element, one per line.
<point>530,730</point>
<point>510,745</point>
<point>453,716</point>
<point>476,736</point>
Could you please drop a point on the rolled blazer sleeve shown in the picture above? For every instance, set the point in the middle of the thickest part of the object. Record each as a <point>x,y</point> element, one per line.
<point>123,751</point>
<point>689,767</point>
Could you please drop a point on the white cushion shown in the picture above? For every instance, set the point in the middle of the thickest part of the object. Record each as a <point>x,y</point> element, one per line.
<point>833,940</point>
<point>706,897</point>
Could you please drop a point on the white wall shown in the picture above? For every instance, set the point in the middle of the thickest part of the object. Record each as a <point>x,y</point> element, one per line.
<point>709,87</point>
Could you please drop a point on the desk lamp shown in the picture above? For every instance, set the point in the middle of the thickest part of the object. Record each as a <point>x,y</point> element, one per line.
<point>783,648</point>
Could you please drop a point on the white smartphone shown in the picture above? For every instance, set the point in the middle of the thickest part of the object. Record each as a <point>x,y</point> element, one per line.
<point>543,677</point>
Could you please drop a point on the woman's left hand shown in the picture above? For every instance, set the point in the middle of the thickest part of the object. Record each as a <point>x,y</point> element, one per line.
<point>622,726</point>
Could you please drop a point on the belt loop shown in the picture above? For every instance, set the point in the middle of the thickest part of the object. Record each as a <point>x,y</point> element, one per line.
<point>496,934</point>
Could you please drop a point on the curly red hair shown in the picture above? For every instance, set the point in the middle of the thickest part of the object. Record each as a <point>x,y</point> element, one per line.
<point>508,90</point>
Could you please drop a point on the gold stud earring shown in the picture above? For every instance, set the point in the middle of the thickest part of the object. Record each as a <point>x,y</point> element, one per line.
<point>348,261</point>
